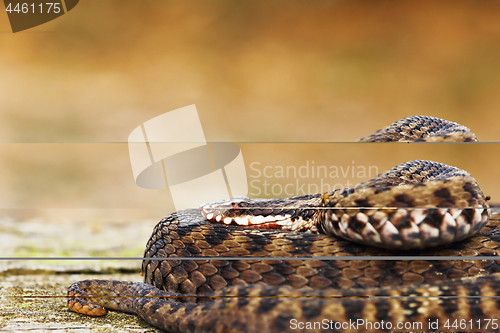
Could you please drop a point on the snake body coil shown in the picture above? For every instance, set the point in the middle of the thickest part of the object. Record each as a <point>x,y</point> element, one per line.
<point>414,206</point>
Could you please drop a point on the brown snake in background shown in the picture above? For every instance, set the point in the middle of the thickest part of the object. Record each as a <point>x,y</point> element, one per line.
<point>415,206</point>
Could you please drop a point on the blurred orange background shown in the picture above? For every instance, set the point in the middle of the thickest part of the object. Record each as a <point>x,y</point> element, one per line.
<point>72,90</point>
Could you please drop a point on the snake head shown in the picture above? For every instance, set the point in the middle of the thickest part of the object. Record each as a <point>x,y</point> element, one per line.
<point>286,214</point>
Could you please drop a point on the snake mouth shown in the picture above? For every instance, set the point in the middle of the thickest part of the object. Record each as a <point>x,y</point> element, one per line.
<point>253,221</point>
<point>296,214</point>
<point>237,212</point>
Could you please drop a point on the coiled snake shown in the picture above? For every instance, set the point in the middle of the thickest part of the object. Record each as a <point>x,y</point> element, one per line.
<point>415,206</point>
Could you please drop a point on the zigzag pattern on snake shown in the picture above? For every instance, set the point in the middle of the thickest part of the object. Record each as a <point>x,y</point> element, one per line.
<point>283,295</point>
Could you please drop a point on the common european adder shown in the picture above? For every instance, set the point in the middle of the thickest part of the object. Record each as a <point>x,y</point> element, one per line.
<point>417,208</point>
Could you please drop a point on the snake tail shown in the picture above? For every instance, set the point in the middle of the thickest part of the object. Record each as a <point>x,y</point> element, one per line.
<point>285,309</point>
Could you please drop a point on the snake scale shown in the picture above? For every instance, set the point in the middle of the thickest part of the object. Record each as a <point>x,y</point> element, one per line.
<point>414,207</point>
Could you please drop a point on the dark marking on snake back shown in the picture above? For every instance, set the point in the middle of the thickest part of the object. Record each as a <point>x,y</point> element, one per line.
<point>442,193</point>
